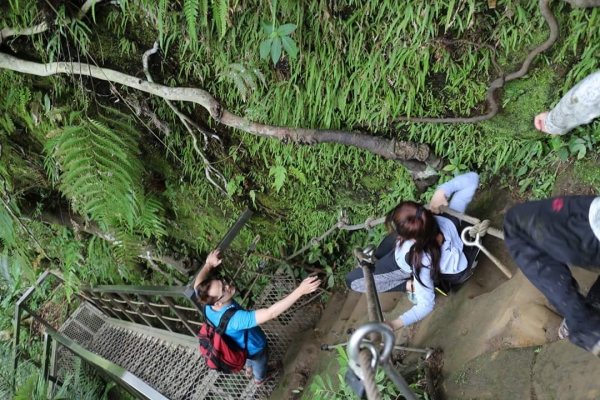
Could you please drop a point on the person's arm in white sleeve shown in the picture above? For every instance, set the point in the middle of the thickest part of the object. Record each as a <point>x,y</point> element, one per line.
<point>460,190</point>
<point>425,296</point>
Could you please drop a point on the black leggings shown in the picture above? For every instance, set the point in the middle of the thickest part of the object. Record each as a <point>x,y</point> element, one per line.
<point>390,278</point>
<point>387,275</point>
<point>543,237</point>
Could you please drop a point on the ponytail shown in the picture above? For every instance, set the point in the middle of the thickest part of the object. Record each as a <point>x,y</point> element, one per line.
<point>412,221</point>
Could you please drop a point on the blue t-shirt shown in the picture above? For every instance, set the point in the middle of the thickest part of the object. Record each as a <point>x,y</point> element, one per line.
<point>242,320</point>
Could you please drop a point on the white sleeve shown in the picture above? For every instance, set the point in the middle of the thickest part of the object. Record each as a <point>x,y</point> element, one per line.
<point>425,295</point>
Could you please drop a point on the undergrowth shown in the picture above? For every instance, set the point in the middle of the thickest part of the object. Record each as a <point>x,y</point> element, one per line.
<point>72,143</point>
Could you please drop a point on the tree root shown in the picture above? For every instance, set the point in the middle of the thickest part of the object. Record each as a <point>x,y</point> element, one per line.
<point>494,108</point>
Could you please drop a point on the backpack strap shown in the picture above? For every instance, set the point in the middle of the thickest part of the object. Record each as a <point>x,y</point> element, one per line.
<point>225,320</point>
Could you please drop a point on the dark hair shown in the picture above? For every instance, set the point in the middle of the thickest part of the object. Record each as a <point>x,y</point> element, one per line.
<point>411,221</point>
<point>202,292</point>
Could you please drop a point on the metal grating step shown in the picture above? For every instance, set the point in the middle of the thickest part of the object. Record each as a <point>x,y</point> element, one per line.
<point>172,367</point>
<point>81,327</point>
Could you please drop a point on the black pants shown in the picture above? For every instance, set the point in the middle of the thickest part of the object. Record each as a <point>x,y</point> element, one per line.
<point>543,237</point>
<point>387,275</point>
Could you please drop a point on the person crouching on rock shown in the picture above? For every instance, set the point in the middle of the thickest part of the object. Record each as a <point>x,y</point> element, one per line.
<point>422,251</point>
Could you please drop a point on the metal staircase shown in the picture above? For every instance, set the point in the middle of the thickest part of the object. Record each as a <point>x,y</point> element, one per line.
<point>144,337</point>
<point>130,334</point>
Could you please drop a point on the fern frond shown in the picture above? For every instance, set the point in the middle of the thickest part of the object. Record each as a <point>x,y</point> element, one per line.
<point>150,219</point>
<point>238,81</point>
<point>190,9</point>
<point>126,248</point>
<point>260,76</point>
<point>7,230</point>
<point>220,9</point>
<point>204,12</point>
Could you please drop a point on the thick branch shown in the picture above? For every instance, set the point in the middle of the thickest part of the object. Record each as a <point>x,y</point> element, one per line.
<point>390,149</point>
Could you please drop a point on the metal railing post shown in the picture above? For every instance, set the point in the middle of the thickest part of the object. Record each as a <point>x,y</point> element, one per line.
<point>178,313</point>
<point>155,311</point>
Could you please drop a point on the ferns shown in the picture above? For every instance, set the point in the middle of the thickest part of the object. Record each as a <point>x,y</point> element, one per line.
<point>98,171</point>
<point>7,230</point>
<point>190,9</point>
<point>243,78</point>
<point>220,9</point>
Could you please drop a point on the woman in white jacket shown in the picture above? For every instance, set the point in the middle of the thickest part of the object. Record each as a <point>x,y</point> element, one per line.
<point>423,250</point>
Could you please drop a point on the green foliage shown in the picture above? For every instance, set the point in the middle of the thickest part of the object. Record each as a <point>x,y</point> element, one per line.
<point>190,8</point>
<point>243,78</point>
<point>98,170</point>
<point>220,9</point>
<point>325,388</point>
<point>83,384</point>
<point>278,38</point>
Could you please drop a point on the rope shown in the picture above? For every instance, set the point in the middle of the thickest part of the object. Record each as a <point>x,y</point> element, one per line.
<point>479,229</point>
<point>474,221</point>
<point>365,358</point>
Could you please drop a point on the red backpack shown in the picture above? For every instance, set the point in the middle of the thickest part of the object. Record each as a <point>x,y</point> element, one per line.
<point>220,352</point>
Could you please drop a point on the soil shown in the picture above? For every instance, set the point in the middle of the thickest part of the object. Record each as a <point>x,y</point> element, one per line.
<point>498,336</point>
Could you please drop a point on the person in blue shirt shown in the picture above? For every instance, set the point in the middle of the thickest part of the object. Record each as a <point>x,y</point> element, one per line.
<point>422,250</point>
<point>218,295</point>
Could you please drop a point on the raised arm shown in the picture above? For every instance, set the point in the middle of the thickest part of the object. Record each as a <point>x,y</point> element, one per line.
<point>213,260</point>
<point>307,286</point>
<point>461,190</point>
<point>579,106</point>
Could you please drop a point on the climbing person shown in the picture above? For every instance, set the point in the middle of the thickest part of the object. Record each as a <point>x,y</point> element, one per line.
<point>579,106</point>
<point>422,250</point>
<point>243,327</point>
<point>545,237</point>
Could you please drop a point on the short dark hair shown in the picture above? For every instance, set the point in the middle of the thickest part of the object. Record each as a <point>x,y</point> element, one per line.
<point>202,291</point>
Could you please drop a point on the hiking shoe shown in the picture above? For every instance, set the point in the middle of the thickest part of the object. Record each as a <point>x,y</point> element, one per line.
<point>563,332</point>
<point>365,254</point>
<point>271,372</point>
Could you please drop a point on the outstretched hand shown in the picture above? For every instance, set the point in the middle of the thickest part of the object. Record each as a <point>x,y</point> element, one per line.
<point>438,200</point>
<point>214,258</point>
<point>309,285</point>
<point>540,121</point>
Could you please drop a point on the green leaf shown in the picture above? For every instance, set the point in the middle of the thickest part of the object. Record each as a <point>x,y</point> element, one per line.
<point>522,171</point>
<point>289,46</point>
<point>296,173</point>
<point>253,197</point>
<point>265,48</point>
<point>563,154</point>
<point>267,27</point>
<point>276,50</point>
<point>286,29</point>
<point>449,167</point>
<point>330,281</point>
<point>47,104</point>
<point>280,174</point>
